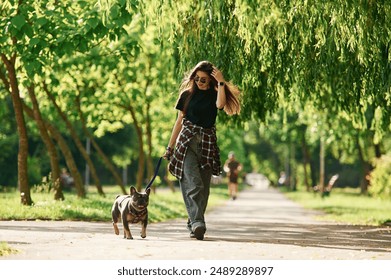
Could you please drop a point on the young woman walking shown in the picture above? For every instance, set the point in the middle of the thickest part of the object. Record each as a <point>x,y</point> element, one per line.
<point>192,150</point>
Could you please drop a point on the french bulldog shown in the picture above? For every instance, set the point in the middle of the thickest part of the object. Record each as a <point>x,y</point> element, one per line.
<point>131,209</point>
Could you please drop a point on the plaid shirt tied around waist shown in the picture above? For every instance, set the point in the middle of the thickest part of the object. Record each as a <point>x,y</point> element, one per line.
<point>210,153</point>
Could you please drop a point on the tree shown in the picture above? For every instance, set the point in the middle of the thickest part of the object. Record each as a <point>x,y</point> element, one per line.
<point>123,61</point>
<point>34,35</point>
<point>336,53</point>
<point>12,83</point>
<point>54,160</point>
<point>104,157</point>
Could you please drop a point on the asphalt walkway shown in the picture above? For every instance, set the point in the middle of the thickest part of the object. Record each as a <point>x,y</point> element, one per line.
<point>260,224</point>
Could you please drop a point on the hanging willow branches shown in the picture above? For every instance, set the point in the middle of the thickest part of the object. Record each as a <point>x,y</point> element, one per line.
<point>334,54</point>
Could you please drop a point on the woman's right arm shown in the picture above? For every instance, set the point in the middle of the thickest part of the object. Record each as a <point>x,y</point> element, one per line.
<point>174,134</point>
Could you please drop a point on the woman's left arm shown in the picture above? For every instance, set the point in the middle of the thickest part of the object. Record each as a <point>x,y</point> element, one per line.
<point>221,98</point>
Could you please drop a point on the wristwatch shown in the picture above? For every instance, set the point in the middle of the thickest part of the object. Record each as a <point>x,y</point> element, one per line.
<point>221,83</point>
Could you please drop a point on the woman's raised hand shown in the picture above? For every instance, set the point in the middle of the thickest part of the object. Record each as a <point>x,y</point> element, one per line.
<point>216,73</point>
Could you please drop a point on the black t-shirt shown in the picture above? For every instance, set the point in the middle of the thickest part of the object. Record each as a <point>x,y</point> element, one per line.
<point>202,108</point>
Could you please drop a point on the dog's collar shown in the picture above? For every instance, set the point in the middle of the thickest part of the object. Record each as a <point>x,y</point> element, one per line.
<point>138,214</point>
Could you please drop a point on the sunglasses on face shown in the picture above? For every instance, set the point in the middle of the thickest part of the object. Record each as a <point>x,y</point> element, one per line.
<point>200,80</point>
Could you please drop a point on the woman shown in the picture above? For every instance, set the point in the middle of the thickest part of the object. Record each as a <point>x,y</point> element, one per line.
<point>193,152</point>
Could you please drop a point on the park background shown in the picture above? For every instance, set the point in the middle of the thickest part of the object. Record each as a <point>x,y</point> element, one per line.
<point>91,86</point>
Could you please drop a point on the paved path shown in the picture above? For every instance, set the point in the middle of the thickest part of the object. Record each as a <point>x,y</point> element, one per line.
<point>260,224</point>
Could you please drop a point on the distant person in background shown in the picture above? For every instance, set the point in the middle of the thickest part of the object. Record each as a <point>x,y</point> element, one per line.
<point>66,180</point>
<point>232,167</point>
<point>282,180</point>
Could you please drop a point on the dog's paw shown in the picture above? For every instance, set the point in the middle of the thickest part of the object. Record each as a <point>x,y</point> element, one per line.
<point>116,229</point>
<point>143,232</point>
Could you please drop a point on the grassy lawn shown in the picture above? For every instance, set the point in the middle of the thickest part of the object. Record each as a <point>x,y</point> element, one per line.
<point>346,205</point>
<point>5,250</point>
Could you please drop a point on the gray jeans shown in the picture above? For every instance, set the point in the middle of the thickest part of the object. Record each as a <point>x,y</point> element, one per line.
<point>195,184</point>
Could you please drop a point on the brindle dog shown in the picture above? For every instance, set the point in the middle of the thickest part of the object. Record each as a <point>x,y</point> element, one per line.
<point>131,209</point>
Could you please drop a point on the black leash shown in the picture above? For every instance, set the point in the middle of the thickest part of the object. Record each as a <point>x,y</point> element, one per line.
<point>154,176</point>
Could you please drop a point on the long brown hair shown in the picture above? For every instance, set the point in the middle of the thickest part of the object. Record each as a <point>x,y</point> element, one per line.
<point>232,92</point>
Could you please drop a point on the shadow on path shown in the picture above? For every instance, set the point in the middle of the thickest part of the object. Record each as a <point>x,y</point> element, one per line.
<point>260,224</point>
<point>325,236</point>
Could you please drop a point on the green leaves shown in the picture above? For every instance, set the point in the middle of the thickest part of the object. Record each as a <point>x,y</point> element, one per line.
<point>331,60</point>
<point>92,22</point>
<point>327,53</point>
<point>19,27</point>
<point>18,22</point>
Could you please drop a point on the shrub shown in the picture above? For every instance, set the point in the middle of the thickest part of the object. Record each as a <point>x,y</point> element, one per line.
<point>380,177</point>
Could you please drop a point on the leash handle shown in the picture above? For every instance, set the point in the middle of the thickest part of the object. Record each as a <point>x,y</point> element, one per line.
<point>156,171</point>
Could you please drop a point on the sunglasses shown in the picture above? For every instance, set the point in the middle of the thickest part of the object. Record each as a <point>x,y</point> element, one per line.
<point>200,80</point>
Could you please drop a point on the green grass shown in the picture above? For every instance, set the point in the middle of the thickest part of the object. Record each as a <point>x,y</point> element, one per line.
<point>164,205</point>
<point>346,205</point>
<point>5,250</point>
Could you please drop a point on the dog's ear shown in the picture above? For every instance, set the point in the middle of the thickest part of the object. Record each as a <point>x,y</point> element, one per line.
<point>132,190</point>
<point>148,191</point>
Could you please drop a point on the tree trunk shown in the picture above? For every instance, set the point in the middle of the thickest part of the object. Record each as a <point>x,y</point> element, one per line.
<point>139,131</point>
<point>105,159</point>
<point>77,141</point>
<point>293,169</point>
<point>141,157</point>
<point>52,152</point>
<point>23,183</point>
<point>306,161</point>
<point>79,186</point>
<point>66,153</point>
<point>150,169</point>
<point>321,165</point>
<point>378,152</point>
<point>365,168</point>
<point>313,171</point>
